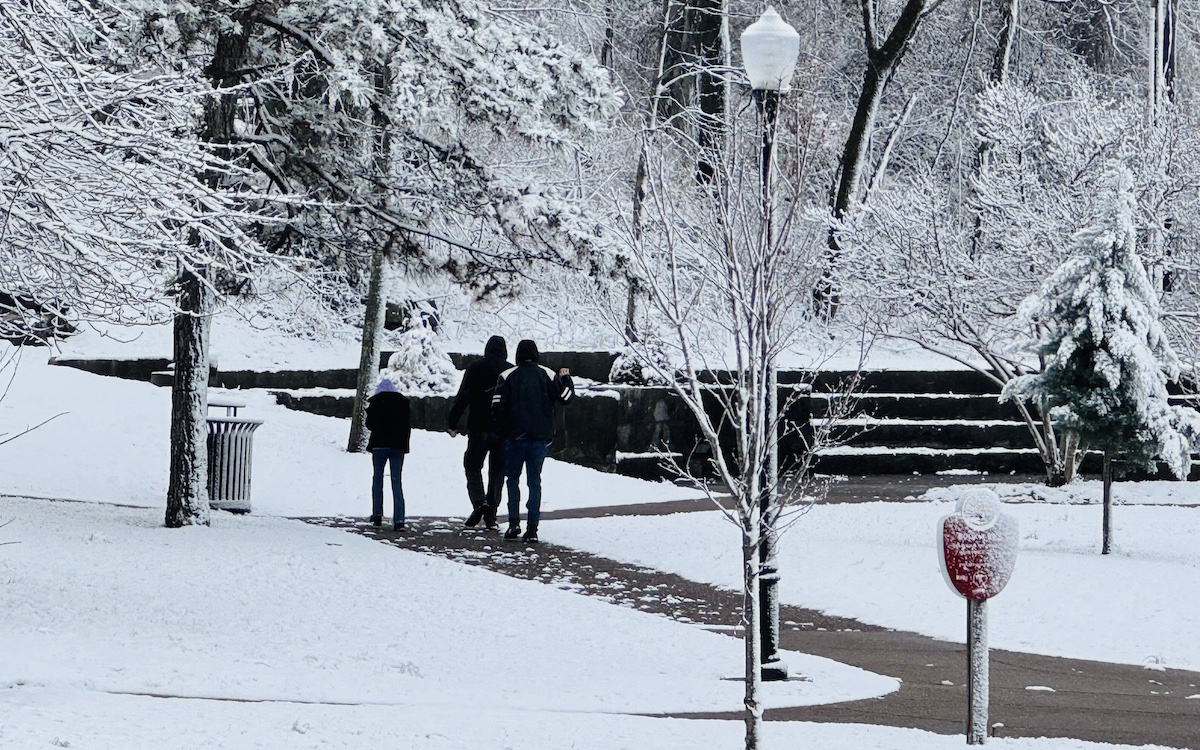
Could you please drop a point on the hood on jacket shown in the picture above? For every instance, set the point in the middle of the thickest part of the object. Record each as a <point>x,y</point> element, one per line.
<point>527,351</point>
<point>386,386</point>
<point>496,347</point>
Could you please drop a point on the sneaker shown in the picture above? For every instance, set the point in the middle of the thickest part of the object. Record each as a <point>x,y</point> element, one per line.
<point>513,533</point>
<point>530,537</point>
<point>376,521</point>
<point>399,526</point>
<point>489,518</point>
<point>474,519</point>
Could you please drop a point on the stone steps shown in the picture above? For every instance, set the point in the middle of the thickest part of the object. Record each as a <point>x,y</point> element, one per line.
<point>930,422</point>
<point>905,421</point>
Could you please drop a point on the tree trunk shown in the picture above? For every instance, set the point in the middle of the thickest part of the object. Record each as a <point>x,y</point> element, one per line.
<point>376,306</point>
<point>1106,546</point>
<point>187,490</point>
<point>368,361</point>
<point>606,49</point>
<point>631,334</point>
<point>1010,13</point>
<point>752,633</point>
<point>692,48</point>
<point>1162,57</point>
<point>881,64</point>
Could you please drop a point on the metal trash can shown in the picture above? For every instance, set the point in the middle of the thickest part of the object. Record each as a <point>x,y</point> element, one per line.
<point>230,440</point>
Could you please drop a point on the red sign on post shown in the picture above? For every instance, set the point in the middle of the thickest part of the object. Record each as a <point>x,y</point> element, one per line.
<point>978,550</point>
<point>978,547</point>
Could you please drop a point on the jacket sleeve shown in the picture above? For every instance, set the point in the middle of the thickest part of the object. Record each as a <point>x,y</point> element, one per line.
<point>461,400</point>
<point>372,417</point>
<point>500,404</point>
<point>405,422</point>
<point>562,388</point>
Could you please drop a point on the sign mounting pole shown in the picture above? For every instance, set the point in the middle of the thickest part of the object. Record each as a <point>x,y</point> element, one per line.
<point>978,664</point>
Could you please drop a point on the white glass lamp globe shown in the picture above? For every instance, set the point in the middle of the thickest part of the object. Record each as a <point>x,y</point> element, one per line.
<point>769,51</point>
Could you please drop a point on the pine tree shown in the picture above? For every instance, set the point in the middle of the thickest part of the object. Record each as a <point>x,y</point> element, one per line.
<point>420,365</point>
<point>1106,358</point>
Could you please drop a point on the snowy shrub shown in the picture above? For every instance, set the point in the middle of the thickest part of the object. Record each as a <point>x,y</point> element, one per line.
<point>420,366</point>
<point>641,364</point>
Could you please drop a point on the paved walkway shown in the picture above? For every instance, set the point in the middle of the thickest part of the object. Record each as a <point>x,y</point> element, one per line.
<point>1085,700</point>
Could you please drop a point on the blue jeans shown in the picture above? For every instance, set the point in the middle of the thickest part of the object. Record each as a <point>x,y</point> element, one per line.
<point>529,454</point>
<point>380,457</point>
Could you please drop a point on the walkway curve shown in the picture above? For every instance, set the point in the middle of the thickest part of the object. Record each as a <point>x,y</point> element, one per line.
<point>1078,699</point>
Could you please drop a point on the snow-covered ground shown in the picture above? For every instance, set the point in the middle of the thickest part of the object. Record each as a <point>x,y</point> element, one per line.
<point>264,632</point>
<point>113,439</point>
<point>878,562</point>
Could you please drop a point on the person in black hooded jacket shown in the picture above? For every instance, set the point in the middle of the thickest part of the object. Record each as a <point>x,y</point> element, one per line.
<point>484,442</point>
<point>523,407</point>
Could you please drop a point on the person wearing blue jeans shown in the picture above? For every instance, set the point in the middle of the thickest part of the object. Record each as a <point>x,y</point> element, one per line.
<point>388,421</point>
<point>529,454</point>
<point>380,458</point>
<point>523,410</point>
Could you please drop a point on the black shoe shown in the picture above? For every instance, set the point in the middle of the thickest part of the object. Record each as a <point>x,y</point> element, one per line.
<point>489,518</point>
<point>376,521</point>
<point>474,519</point>
<point>530,537</point>
<point>513,533</point>
<point>399,526</point>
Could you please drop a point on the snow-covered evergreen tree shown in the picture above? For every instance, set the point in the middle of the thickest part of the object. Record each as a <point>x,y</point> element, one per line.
<point>1106,358</point>
<point>420,365</point>
<point>645,363</point>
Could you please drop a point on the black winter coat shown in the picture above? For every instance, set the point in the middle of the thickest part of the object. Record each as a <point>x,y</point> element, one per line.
<point>523,406</point>
<point>478,385</point>
<point>387,419</point>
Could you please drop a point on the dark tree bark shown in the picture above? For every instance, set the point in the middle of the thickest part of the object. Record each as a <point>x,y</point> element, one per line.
<point>606,49</point>
<point>693,97</point>
<point>1010,13</point>
<point>882,60</point>
<point>1163,55</point>
<point>187,492</point>
<point>686,95</point>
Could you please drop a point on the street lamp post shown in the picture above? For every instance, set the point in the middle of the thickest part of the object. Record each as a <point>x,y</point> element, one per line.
<point>770,48</point>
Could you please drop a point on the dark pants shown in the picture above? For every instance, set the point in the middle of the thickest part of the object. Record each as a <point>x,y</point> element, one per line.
<point>380,458</point>
<point>484,447</point>
<point>529,454</point>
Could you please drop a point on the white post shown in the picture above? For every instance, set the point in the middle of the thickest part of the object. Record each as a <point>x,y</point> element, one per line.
<point>977,672</point>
